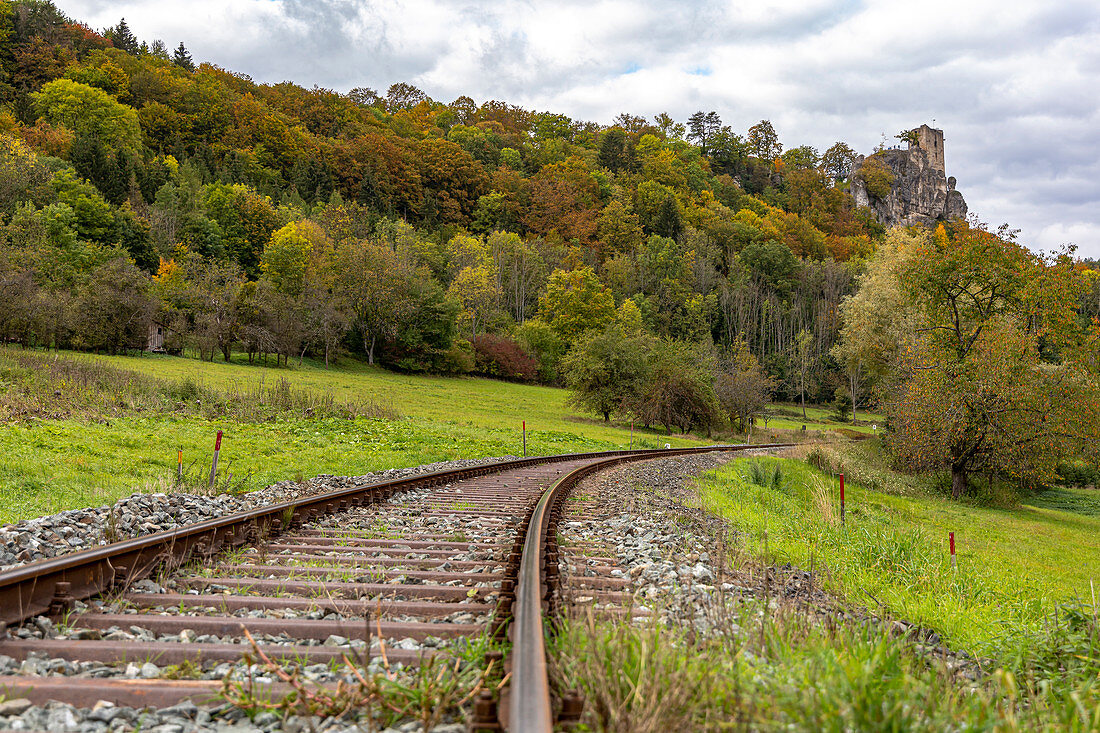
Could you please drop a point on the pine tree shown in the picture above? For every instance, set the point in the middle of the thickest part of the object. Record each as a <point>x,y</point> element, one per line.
<point>122,38</point>
<point>668,222</point>
<point>703,127</point>
<point>182,58</point>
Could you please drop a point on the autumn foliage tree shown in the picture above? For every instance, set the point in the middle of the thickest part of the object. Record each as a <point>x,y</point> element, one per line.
<point>993,380</point>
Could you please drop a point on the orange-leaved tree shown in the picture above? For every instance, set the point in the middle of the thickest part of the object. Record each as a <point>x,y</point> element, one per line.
<point>991,380</point>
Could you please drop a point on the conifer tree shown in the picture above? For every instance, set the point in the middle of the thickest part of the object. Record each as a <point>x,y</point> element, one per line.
<point>122,38</point>
<point>181,57</point>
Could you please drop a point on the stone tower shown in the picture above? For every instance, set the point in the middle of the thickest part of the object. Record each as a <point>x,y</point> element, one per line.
<point>930,140</point>
<point>920,191</point>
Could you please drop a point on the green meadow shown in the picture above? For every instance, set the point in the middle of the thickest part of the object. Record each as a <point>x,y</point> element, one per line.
<point>1016,569</point>
<point>98,455</point>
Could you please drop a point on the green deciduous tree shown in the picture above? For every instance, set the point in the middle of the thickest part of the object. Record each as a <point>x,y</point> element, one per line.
<point>606,370</point>
<point>876,176</point>
<point>763,141</point>
<point>992,381</point>
<point>999,409</point>
<point>576,302</point>
<point>368,281</point>
<point>23,177</point>
<point>679,389</point>
<point>476,290</point>
<point>837,161</point>
<point>90,112</point>
<point>114,310</point>
<point>286,257</point>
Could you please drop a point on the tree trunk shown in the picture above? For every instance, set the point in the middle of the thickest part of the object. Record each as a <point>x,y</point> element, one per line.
<point>958,480</point>
<point>606,416</point>
<point>370,351</point>
<point>854,382</point>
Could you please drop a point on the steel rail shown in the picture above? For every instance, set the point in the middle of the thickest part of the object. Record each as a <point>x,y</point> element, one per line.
<point>530,708</point>
<point>32,589</point>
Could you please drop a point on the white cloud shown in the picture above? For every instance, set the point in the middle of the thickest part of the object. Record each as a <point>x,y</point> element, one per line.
<point>1013,85</point>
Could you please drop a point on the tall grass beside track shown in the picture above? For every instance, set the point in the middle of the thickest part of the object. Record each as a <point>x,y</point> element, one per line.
<point>1023,598</point>
<point>786,671</point>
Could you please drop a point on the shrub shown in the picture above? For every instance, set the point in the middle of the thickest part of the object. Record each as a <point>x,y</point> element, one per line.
<point>877,177</point>
<point>842,405</point>
<point>1078,474</point>
<point>499,356</point>
<point>677,392</point>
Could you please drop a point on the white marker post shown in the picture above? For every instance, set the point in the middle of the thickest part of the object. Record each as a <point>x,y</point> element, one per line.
<point>214,463</point>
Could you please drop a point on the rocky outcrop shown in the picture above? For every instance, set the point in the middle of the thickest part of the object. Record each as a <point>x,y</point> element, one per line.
<point>919,192</point>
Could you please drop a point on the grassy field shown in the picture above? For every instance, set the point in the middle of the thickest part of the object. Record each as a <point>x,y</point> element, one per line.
<point>110,447</point>
<point>1016,567</point>
<point>98,455</point>
<point>788,416</point>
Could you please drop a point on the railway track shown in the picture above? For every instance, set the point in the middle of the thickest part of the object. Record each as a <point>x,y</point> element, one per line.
<point>386,573</point>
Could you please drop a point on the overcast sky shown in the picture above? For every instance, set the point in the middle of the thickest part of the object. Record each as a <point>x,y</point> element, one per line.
<point>1014,84</point>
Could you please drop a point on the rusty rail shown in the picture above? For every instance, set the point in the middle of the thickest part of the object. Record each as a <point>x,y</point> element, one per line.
<point>530,707</point>
<point>32,589</point>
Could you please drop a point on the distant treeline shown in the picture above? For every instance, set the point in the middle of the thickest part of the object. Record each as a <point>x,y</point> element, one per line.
<point>138,188</point>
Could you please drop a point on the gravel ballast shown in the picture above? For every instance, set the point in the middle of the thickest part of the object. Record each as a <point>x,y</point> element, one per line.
<point>142,514</point>
<point>152,513</point>
<point>680,564</point>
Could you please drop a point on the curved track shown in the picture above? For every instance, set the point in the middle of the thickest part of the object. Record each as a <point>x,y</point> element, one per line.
<point>316,581</point>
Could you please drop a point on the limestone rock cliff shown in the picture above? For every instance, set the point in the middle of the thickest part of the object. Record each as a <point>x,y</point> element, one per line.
<point>920,191</point>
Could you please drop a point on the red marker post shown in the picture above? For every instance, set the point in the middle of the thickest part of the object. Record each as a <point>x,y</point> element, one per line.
<point>954,565</point>
<point>524,438</point>
<point>842,498</point>
<point>214,463</point>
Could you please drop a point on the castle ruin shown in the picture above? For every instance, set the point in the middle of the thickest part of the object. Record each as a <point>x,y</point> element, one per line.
<point>921,192</point>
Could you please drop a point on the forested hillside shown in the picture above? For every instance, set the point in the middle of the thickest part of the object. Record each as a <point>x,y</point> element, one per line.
<point>138,187</point>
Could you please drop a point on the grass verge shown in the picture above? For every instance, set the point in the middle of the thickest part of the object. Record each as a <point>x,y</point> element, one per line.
<point>1023,592</point>
<point>785,670</point>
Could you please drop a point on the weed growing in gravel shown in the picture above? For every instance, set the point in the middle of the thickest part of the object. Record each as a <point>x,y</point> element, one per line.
<point>439,688</point>
<point>185,670</point>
